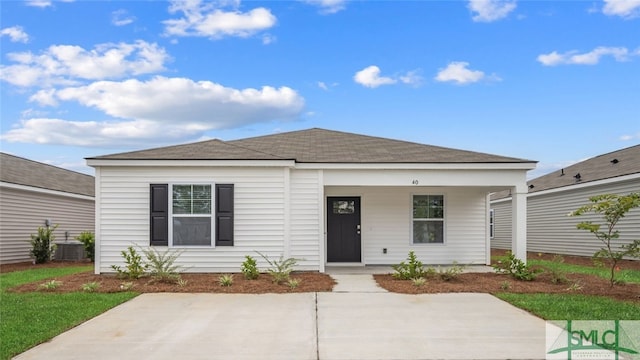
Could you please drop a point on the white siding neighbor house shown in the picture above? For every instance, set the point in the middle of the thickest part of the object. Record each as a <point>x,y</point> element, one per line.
<point>322,196</point>
<point>32,193</point>
<point>553,196</point>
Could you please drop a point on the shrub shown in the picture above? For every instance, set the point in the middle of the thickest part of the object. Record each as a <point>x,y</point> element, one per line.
<point>88,239</point>
<point>450,273</point>
<point>42,246</point>
<point>505,285</point>
<point>135,268</point>
<point>418,282</point>
<point>249,268</point>
<point>280,269</point>
<point>160,265</point>
<point>517,269</point>
<point>225,280</point>
<point>90,286</point>
<point>293,283</point>
<point>411,270</point>
<point>576,286</point>
<point>50,285</point>
<point>558,274</point>
<point>126,286</point>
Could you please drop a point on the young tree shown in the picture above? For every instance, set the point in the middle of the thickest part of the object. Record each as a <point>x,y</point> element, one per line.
<point>613,208</point>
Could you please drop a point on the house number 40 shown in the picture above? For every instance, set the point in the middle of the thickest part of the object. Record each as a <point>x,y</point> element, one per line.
<point>414,182</point>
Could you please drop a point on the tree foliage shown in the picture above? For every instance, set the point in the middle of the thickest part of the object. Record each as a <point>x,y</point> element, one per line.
<point>612,208</point>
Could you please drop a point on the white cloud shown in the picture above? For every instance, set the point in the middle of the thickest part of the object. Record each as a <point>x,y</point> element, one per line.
<point>623,8</point>
<point>590,58</point>
<point>458,73</point>
<point>268,39</point>
<point>206,19</point>
<point>156,110</point>
<point>15,34</point>
<point>121,18</point>
<point>39,3</point>
<point>412,78</point>
<point>628,137</point>
<point>490,10</point>
<point>370,77</point>
<point>66,64</point>
<point>322,85</point>
<point>328,6</point>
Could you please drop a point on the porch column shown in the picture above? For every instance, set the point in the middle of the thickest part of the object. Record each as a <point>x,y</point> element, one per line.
<point>519,224</point>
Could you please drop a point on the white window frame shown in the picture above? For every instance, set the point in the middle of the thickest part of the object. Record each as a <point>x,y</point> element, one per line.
<point>211,215</point>
<point>444,222</point>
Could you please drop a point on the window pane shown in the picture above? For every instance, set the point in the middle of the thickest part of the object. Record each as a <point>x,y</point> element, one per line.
<point>425,232</point>
<point>201,192</point>
<point>436,207</point>
<point>344,207</point>
<point>201,207</point>
<point>181,192</point>
<point>192,231</point>
<point>428,206</point>
<point>181,206</point>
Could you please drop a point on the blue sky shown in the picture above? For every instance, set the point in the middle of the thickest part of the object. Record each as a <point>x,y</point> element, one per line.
<point>552,81</point>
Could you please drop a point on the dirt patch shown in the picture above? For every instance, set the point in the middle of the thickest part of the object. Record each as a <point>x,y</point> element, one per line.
<point>191,283</point>
<point>495,283</point>
<point>5,268</point>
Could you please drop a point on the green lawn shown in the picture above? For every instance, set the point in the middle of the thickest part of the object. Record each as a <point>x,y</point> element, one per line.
<point>573,306</point>
<point>629,276</point>
<point>28,319</point>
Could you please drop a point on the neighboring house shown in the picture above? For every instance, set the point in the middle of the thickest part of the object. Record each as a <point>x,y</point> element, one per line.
<point>322,196</point>
<point>553,196</point>
<point>32,193</point>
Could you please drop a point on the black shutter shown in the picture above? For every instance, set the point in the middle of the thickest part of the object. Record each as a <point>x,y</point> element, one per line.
<point>159,211</point>
<point>224,215</point>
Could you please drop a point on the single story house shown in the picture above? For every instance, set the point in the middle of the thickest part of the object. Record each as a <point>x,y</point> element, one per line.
<point>553,196</point>
<point>33,194</point>
<point>324,197</point>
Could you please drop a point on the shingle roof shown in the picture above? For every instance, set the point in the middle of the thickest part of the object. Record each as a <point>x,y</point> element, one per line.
<point>316,146</point>
<point>614,164</point>
<point>17,170</point>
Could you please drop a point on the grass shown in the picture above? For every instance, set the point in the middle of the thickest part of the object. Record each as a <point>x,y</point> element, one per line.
<point>629,276</point>
<point>573,306</point>
<point>29,319</point>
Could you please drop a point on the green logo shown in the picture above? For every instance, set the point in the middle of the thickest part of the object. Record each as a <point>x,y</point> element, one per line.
<point>587,339</point>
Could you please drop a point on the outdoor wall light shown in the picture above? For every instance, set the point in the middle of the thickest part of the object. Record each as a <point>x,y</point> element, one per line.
<point>578,177</point>
<point>615,161</point>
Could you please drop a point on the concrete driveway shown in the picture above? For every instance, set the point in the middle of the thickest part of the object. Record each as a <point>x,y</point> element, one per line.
<point>358,324</point>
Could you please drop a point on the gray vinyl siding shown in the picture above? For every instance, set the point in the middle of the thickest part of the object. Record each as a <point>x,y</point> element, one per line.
<point>501,225</point>
<point>22,211</point>
<point>550,230</point>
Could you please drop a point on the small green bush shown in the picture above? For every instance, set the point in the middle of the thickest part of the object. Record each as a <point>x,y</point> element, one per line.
<point>50,285</point>
<point>558,274</point>
<point>293,283</point>
<point>134,268</point>
<point>249,268</point>
<point>42,246</point>
<point>517,269</point>
<point>225,280</point>
<point>127,286</point>
<point>280,269</point>
<point>450,273</point>
<point>418,282</point>
<point>411,270</point>
<point>90,286</point>
<point>160,265</point>
<point>88,239</point>
<point>505,285</point>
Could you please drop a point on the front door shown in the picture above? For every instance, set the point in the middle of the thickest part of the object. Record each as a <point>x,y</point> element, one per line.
<point>343,229</point>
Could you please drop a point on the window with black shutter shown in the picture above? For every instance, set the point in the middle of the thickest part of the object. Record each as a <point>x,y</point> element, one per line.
<point>159,214</point>
<point>224,215</point>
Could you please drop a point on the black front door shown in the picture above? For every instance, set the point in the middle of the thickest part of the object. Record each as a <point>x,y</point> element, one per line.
<point>343,229</point>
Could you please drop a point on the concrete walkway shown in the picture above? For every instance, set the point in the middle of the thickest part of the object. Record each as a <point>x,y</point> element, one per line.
<point>358,320</point>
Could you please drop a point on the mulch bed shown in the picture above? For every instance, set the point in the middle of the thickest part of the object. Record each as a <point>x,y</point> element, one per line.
<point>192,283</point>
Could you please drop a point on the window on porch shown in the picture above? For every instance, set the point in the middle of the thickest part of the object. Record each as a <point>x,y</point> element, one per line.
<point>428,219</point>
